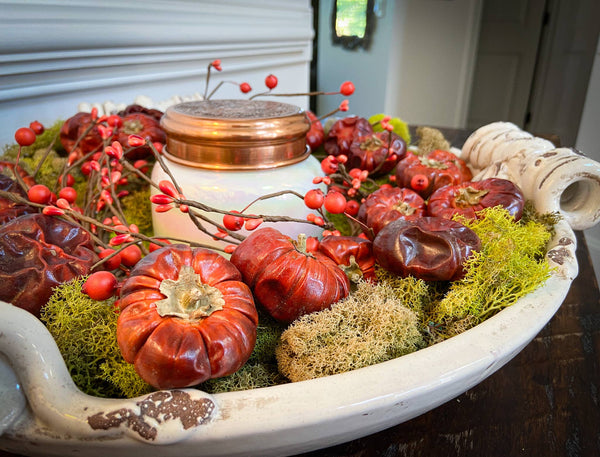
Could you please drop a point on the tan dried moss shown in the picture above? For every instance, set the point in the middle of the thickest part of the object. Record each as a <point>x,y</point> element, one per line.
<point>431,139</point>
<point>370,326</point>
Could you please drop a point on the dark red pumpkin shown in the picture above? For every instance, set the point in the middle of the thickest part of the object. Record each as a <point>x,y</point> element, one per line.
<point>428,248</point>
<point>186,317</point>
<point>377,152</point>
<point>352,254</point>
<point>441,168</point>
<point>343,132</point>
<point>9,209</point>
<point>79,135</point>
<point>468,198</point>
<point>389,204</point>
<point>316,134</point>
<point>135,108</point>
<point>144,125</point>
<point>38,253</point>
<point>285,279</point>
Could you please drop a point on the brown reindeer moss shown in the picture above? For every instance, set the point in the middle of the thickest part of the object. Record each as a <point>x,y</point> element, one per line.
<point>370,326</point>
<point>431,139</point>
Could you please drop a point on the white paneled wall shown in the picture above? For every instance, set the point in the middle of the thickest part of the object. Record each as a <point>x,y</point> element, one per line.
<point>58,53</point>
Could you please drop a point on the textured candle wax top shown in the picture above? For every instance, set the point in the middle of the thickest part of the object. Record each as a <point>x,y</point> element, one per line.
<point>237,109</point>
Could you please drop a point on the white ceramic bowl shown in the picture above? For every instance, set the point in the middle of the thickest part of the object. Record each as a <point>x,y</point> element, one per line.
<point>43,413</point>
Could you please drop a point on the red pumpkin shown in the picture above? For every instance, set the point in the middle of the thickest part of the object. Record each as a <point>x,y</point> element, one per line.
<point>40,252</point>
<point>377,153</point>
<point>441,168</point>
<point>343,132</point>
<point>316,134</point>
<point>135,108</point>
<point>468,198</point>
<point>186,317</point>
<point>352,254</point>
<point>428,248</point>
<point>288,281</point>
<point>144,125</point>
<point>72,135</point>
<point>389,204</point>
<point>9,209</point>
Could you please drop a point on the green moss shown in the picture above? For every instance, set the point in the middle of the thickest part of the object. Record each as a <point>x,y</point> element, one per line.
<point>510,265</point>
<point>548,220</point>
<point>370,326</point>
<point>343,224</point>
<point>85,332</point>
<point>400,127</point>
<point>250,376</point>
<point>42,142</point>
<point>138,209</point>
<point>261,368</point>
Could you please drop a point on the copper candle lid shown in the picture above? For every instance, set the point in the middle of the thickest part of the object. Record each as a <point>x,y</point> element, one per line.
<point>235,134</point>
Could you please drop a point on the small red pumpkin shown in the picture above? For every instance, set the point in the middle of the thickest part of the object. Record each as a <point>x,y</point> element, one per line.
<point>441,168</point>
<point>352,254</point>
<point>388,204</point>
<point>186,317</point>
<point>377,152</point>
<point>343,132</point>
<point>468,198</point>
<point>286,279</point>
<point>144,125</point>
<point>72,135</point>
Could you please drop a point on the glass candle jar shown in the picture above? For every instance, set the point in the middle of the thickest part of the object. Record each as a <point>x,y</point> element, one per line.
<point>228,153</point>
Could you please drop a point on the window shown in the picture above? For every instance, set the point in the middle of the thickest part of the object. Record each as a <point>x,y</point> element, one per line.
<point>352,23</point>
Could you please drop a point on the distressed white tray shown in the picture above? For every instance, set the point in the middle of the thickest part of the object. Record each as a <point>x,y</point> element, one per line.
<point>43,413</point>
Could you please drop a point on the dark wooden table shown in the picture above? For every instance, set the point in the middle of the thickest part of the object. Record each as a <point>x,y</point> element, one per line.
<point>544,403</point>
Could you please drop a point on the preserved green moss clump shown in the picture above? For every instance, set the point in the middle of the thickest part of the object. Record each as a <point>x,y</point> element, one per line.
<point>370,326</point>
<point>138,210</point>
<point>548,220</point>
<point>510,265</point>
<point>400,127</point>
<point>53,163</point>
<point>85,332</point>
<point>261,368</point>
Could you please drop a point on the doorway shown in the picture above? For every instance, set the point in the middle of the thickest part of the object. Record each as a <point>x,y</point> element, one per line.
<point>533,64</point>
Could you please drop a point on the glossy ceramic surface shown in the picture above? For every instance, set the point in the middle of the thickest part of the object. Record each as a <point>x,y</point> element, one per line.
<point>234,190</point>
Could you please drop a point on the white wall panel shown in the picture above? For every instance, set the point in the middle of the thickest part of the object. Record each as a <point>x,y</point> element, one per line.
<point>56,54</point>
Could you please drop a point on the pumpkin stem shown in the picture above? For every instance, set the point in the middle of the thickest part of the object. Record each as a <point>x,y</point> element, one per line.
<point>300,245</point>
<point>469,196</point>
<point>372,143</point>
<point>405,208</point>
<point>352,270</point>
<point>187,297</point>
<point>431,163</point>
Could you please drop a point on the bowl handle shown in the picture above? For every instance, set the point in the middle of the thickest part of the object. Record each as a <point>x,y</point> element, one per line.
<point>56,402</point>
